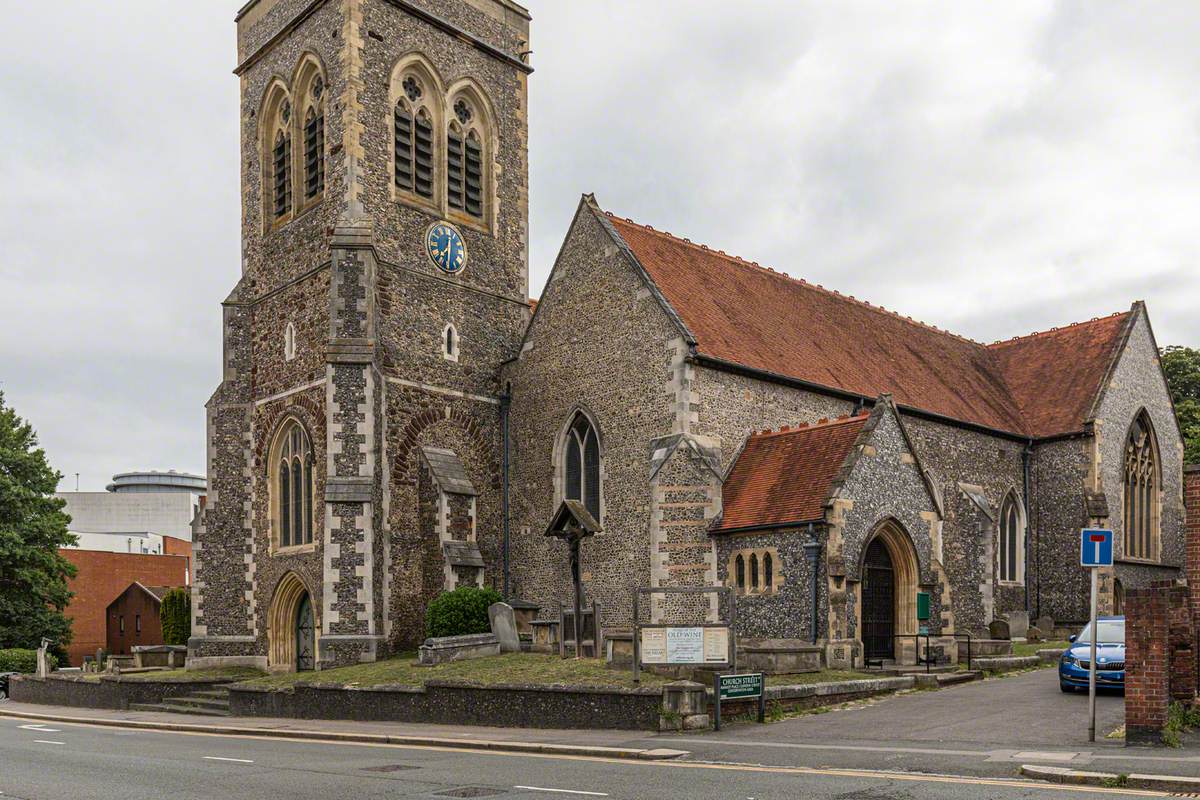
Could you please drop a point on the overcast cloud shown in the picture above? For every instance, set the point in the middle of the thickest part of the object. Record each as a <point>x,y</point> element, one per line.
<point>991,168</point>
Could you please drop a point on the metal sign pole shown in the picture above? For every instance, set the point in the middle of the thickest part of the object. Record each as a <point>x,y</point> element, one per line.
<point>1092,663</point>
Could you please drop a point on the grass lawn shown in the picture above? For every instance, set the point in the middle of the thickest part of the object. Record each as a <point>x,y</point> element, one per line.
<point>522,668</point>
<point>823,676</point>
<point>1031,648</point>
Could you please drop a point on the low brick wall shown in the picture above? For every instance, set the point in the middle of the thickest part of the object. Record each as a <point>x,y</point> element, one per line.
<point>801,697</point>
<point>517,706</point>
<point>109,692</point>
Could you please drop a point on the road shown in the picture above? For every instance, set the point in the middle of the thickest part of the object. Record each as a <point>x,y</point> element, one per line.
<point>56,760</point>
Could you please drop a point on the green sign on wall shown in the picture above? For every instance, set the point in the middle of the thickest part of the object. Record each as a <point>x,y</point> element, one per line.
<point>737,687</point>
<point>922,606</point>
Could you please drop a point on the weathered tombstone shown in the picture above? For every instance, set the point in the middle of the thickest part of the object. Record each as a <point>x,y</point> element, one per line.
<point>43,659</point>
<point>998,629</point>
<point>1034,634</point>
<point>1046,626</point>
<point>1018,624</point>
<point>504,627</point>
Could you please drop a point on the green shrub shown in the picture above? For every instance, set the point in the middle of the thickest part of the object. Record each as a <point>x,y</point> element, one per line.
<point>21,660</point>
<point>175,614</point>
<point>463,611</point>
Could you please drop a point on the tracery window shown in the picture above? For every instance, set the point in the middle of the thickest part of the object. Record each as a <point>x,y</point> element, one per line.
<point>1141,501</point>
<point>414,138</point>
<point>292,471</point>
<point>1012,541</point>
<point>581,479</point>
<point>314,141</point>
<point>465,159</point>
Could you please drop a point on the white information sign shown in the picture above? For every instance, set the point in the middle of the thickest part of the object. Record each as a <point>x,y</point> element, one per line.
<point>716,645</point>
<point>685,645</point>
<point>654,646</point>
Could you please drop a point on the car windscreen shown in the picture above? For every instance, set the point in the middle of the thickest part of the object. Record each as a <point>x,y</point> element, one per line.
<point>1111,632</point>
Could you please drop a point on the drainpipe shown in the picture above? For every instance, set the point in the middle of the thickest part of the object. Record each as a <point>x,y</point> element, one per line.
<point>813,551</point>
<point>505,403</point>
<point>1026,456</point>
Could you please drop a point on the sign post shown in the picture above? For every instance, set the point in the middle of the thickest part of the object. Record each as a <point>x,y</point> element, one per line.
<point>1095,551</point>
<point>739,687</point>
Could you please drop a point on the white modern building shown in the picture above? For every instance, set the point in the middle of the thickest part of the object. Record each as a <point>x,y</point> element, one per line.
<point>138,509</point>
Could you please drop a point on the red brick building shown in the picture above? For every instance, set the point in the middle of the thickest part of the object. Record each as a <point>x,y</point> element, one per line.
<point>102,577</point>
<point>132,619</point>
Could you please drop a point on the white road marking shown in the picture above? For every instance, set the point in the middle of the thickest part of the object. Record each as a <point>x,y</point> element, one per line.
<point>38,728</point>
<point>560,791</point>
<point>46,741</point>
<point>235,760</point>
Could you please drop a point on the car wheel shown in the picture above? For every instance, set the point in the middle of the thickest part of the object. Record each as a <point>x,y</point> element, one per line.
<point>3,695</point>
<point>1067,688</point>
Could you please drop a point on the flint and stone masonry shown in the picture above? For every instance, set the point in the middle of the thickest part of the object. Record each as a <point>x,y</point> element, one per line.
<point>436,405</point>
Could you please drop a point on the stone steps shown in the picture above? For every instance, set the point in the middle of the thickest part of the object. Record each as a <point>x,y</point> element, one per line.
<point>213,702</point>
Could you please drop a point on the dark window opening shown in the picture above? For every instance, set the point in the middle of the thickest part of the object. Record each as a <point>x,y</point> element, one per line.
<point>582,472</point>
<point>741,573</point>
<point>314,153</point>
<point>768,571</point>
<point>282,162</point>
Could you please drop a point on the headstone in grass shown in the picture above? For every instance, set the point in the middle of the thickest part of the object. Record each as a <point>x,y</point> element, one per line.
<point>504,627</point>
<point>998,629</point>
<point>1018,624</point>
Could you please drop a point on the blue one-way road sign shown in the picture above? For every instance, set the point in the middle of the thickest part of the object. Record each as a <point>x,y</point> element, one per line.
<point>1096,548</point>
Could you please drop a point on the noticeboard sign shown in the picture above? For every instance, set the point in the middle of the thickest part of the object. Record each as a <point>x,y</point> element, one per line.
<point>737,687</point>
<point>695,645</point>
<point>1096,547</point>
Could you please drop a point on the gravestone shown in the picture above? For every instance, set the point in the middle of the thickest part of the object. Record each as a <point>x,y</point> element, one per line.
<point>43,659</point>
<point>1046,626</point>
<point>504,627</point>
<point>998,629</point>
<point>1018,624</point>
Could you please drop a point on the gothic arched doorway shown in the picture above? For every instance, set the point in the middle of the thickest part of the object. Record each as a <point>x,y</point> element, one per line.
<point>890,580</point>
<point>291,630</point>
<point>878,602</point>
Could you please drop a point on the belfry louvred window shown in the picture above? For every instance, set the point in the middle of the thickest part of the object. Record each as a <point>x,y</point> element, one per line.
<point>464,161</point>
<point>414,141</point>
<point>282,173</point>
<point>582,465</point>
<point>314,153</point>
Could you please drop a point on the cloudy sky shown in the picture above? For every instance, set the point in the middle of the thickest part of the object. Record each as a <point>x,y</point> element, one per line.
<point>992,168</point>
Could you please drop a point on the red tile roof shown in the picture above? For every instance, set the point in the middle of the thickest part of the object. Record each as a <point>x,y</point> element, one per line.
<point>752,316</point>
<point>1054,375</point>
<point>784,477</point>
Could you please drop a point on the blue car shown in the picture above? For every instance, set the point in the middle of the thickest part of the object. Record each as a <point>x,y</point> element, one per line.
<point>1110,657</point>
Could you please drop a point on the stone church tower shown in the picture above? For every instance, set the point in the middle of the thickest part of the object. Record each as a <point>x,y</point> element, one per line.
<point>354,441</point>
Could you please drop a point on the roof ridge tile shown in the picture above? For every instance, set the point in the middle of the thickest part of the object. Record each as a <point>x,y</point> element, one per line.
<point>1058,329</point>
<point>786,276</point>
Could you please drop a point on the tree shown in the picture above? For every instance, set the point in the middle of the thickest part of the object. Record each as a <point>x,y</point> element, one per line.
<point>175,613</point>
<point>1182,368</point>
<point>33,576</point>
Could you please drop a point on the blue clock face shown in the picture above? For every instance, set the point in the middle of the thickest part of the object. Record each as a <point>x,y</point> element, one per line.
<point>446,248</point>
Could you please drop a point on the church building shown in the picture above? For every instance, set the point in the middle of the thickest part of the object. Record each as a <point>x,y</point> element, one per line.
<point>396,417</point>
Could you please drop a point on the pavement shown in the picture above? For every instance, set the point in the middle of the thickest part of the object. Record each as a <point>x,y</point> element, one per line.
<point>978,734</point>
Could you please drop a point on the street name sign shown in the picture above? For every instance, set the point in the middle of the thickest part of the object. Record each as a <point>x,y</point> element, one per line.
<point>739,687</point>
<point>1096,547</point>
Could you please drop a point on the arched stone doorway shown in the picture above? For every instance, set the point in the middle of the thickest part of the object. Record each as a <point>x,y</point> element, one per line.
<point>888,602</point>
<point>291,630</point>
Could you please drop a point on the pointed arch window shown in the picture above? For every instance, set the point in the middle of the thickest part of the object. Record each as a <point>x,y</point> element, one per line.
<point>281,162</point>
<point>293,472</point>
<point>1141,491</point>
<point>581,470</point>
<point>1012,541</point>
<point>414,139</point>
<point>314,141</point>
<point>464,159</point>
<point>741,573</point>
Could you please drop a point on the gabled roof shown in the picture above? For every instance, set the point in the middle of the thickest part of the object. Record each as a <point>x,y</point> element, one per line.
<point>784,477</point>
<point>1055,375</point>
<point>742,314</point>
